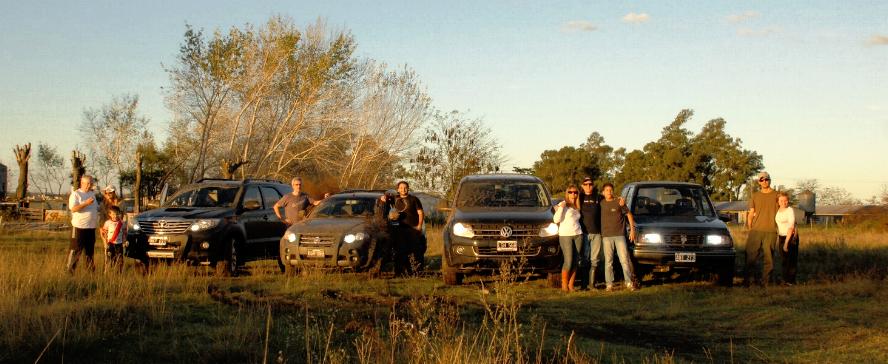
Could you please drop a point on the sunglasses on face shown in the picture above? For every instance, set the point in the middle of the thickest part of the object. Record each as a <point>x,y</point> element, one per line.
<point>572,192</point>
<point>764,179</point>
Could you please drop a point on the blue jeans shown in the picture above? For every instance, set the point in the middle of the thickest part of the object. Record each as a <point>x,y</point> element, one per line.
<point>617,243</point>
<point>591,253</point>
<point>570,249</point>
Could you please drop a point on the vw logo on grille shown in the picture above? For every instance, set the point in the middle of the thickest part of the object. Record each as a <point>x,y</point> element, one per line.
<point>684,239</point>
<point>506,231</point>
<point>161,224</point>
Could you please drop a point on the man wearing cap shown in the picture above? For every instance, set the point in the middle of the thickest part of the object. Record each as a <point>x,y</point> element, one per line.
<point>590,221</point>
<point>762,229</point>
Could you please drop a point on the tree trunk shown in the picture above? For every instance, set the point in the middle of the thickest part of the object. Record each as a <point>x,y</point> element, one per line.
<point>22,155</point>
<point>137,188</point>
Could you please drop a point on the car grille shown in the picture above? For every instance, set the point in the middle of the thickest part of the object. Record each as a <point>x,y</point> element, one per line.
<point>690,239</point>
<point>152,227</point>
<point>316,239</point>
<point>493,231</point>
<point>528,251</point>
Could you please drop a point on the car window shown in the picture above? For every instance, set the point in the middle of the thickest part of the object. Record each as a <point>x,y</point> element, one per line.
<point>204,196</point>
<point>270,196</point>
<point>345,207</point>
<point>502,194</point>
<point>671,201</point>
<point>251,195</point>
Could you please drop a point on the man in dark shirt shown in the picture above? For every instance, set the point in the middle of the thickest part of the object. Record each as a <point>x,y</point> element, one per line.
<point>590,209</point>
<point>295,204</point>
<point>762,230</point>
<point>405,217</point>
<point>613,227</point>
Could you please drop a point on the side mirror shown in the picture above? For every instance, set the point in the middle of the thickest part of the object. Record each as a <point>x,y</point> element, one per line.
<point>725,217</point>
<point>252,205</point>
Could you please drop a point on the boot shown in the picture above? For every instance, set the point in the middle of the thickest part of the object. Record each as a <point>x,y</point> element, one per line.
<point>565,275</point>
<point>570,281</point>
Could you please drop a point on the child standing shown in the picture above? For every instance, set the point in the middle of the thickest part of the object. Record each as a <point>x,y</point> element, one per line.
<point>114,234</point>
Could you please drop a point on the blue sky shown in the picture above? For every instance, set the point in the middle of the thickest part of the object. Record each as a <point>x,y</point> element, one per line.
<point>801,82</point>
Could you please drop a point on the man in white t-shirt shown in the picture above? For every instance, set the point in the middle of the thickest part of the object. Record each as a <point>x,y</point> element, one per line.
<point>84,218</point>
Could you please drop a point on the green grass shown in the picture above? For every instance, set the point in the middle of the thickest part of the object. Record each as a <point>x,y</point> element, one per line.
<point>182,314</point>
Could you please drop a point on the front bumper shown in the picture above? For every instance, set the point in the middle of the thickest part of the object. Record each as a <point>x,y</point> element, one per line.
<point>336,254</point>
<point>703,258</point>
<point>468,254</point>
<point>179,247</point>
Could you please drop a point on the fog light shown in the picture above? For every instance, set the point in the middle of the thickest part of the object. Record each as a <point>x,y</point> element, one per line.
<point>286,251</point>
<point>461,250</point>
<point>205,245</point>
<point>354,259</point>
<point>553,250</point>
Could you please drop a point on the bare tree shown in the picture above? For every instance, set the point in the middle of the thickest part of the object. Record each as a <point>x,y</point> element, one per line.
<point>22,155</point>
<point>111,134</point>
<point>50,176</point>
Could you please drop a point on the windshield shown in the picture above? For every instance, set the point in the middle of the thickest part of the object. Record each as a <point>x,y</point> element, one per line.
<point>345,207</point>
<point>502,194</point>
<point>204,196</point>
<point>672,201</point>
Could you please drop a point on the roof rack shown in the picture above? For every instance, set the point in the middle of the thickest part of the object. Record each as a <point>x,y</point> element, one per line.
<point>237,180</point>
<point>359,190</point>
<point>262,180</point>
<point>215,180</point>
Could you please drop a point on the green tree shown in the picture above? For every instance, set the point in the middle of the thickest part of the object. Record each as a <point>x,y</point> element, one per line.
<point>454,146</point>
<point>568,165</point>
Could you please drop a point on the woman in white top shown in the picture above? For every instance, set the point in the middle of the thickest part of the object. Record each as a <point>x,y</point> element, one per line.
<point>570,235</point>
<point>787,238</point>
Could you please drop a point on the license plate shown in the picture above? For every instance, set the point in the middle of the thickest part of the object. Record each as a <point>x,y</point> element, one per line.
<point>685,257</point>
<point>315,253</point>
<point>507,246</point>
<point>160,254</point>
<point>158,240</point>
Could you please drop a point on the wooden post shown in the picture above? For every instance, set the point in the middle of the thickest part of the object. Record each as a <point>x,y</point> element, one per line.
<point>22,155</point>
<point>77,168</point>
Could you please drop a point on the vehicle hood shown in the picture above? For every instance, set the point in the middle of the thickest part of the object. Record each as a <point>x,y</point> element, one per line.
<point>329,225</point>
<point>680,222</point>
<point>505,215</point>
<point>186,213</point>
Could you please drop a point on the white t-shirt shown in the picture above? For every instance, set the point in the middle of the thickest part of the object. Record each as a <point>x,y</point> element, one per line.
<point>569,223</point>
<point>785,219</point>
<point>87,217</point>
<point>110,226</point>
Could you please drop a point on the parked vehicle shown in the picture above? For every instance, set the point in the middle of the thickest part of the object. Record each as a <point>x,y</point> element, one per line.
<point>346,230</point>
<point>496,218</point>
<point>678,229</point>
<point>222,223</point>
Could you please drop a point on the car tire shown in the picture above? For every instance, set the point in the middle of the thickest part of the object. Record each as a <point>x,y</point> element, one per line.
<point>451,275</point>
<point>553,280</point>
<point>230,262</point>
<point>281,265</point>
<point>725,277</point>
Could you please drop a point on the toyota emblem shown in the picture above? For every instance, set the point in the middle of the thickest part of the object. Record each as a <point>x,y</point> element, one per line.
<point>161,224</point>
<point>317,239</point>
<point>506,231</point>
<point>684,239</point>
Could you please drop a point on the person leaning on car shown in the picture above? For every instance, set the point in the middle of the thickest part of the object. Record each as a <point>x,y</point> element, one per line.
<point>294,204</point>
<point>405,219</point>
<point>762,230</point>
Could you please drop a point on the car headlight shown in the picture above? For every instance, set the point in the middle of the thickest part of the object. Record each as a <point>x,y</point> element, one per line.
<point>652,238</point>
<point>135,227</point>
<point>291,237</point>
<point>464,230</point>
<point>718,240</point>
<point>549,230</point>
<point>204,224</point>
<point>351,238</point>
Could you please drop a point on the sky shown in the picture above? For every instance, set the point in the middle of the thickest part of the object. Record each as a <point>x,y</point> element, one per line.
<point>803,83</point>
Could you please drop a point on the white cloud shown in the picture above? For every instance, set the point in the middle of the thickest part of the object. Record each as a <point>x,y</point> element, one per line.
<point>878,39</point>
<point>760,32</point>
<point>636,18</point>
<point>742,17</point>
<point>578,26</point>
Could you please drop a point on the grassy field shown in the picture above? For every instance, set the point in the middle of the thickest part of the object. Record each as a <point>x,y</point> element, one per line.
<point>181,314</point>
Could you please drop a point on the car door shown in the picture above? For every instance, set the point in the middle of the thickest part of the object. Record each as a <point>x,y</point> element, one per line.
<point>255,221</point>
<point>273,228</point>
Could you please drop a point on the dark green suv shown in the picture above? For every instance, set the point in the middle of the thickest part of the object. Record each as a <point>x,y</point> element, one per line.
<point>221,223</point>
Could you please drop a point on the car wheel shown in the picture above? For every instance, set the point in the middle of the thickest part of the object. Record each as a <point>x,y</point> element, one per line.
<point>553,280</point>
<point>726,277</point>
<point>281,265</point>
<point>228,265</point>
<point>451,275</point>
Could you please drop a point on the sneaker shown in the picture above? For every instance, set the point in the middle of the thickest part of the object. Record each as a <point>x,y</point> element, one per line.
<point>630,286</point>
<point>609,288</point>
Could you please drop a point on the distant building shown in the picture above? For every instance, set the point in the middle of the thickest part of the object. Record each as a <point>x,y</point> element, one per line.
<point>825,215</point>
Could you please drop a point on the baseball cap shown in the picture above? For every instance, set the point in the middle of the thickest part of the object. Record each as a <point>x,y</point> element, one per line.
<point>587,179</point>
<point>109,188</point>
